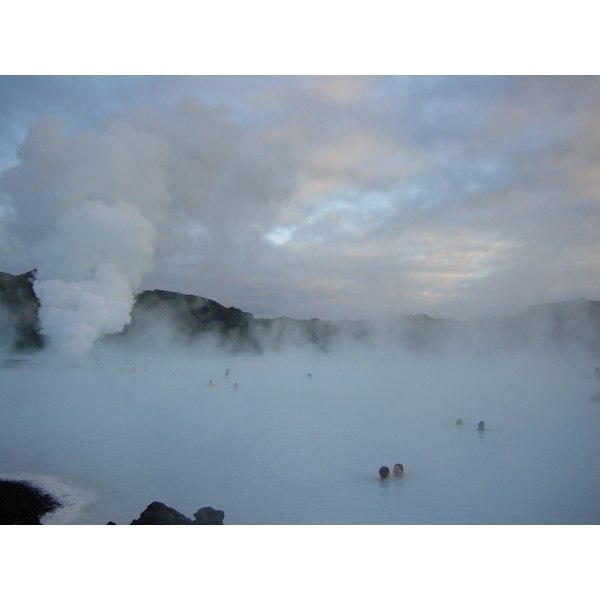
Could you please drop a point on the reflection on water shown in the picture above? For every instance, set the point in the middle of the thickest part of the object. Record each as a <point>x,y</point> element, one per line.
<point>393,485</point>
<point>285,448</point>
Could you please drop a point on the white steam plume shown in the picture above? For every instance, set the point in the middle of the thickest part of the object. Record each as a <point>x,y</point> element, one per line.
<point>88,269</point>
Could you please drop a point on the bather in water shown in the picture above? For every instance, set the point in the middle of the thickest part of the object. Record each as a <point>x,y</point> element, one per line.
<point>384,472</point>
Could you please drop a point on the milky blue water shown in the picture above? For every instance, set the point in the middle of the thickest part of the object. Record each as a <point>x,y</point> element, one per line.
<point>286,448</point>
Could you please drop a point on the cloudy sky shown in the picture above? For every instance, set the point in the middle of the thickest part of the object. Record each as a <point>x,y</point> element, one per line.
<point>315,196</point>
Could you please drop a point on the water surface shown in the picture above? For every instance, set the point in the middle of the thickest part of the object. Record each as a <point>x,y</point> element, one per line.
<point>284,447</point>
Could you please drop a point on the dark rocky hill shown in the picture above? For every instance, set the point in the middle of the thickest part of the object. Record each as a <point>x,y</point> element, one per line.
<point>19,323</point>
<point>187,318</point>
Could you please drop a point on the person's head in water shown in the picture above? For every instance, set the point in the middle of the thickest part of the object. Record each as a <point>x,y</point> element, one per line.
<point>398,469</point>
<point>459,421</point>
<point>481,425</point>
<point>384,472</point>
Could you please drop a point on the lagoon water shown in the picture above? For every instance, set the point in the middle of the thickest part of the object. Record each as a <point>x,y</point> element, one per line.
<point>283,447</point>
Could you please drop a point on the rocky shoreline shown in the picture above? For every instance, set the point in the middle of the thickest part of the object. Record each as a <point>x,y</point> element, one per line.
<point>22,503</point>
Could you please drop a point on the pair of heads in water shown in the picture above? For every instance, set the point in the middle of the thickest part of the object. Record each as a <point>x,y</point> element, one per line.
<point>384,472</point>
<point>480,425</point>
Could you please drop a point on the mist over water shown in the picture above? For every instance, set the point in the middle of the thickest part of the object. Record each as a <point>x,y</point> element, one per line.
<point>194,196</point>
<point>122,430</point>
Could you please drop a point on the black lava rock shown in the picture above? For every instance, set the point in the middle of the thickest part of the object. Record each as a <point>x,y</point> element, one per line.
<point>158,513</point>
<point>23,504</point>
<point>208,516</point>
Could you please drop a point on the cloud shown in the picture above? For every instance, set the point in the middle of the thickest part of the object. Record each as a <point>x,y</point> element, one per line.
<point>330,195</point>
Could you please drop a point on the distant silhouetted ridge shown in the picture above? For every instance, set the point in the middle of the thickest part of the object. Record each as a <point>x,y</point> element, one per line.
<point>186,319</point>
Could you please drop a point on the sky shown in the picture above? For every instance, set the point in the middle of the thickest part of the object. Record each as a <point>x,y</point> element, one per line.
<point>385,169</point>
<point>319,196</point>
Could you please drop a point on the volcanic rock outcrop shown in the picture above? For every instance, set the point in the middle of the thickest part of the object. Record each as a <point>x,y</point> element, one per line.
<point>158,513</point>
<point>23,504</point>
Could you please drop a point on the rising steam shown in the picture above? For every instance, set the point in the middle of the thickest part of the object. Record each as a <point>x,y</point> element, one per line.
<point>88,269</point>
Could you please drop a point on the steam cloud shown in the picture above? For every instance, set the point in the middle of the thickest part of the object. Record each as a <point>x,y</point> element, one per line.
<point>98,209</point>
<point>88,268</point>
